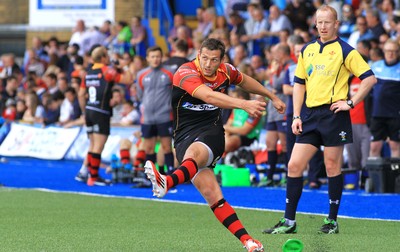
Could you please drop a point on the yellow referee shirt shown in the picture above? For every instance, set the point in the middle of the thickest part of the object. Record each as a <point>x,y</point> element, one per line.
<point>325,70</point>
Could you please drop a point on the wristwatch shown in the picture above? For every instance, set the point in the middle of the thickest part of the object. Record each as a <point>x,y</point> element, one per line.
<point>350,103</point>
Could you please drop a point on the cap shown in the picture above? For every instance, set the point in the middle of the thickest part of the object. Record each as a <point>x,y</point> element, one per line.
<point>293,245</point>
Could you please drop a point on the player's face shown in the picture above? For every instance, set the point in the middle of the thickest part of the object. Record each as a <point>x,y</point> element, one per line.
<point>154,59</point>
<point>327,25</point>
<point>209,61</point>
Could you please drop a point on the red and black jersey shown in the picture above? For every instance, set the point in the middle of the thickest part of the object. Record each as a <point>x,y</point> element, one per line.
<point>99,81</point>
<point>191,113</point>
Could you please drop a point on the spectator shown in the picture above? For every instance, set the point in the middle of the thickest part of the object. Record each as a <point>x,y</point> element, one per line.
<point>21,108</point>
<point>123,42</point>
<point>374,23</point>
<point>116,102</point>
<point>34,64</point>
<point>276,23</point>
<point>51,110</point>
<point>179,20</point>
<point>256,30</point>
<point>10,91</point>
<point>153,86</point>
<point>361,33</point>
<point>69,110</point>
<point>385,121</point>
<point>130,115</point>
<point>209,17</point>
<point>38,50</point>
<point>139,36</point>
<point>299,13</point>
<point>78,36</point>
<point>10,67</point>
<point>347,23</point>
<point>34,112</point>
<point>237,24</point>
<point>10,111</point>
<point>375,54</point>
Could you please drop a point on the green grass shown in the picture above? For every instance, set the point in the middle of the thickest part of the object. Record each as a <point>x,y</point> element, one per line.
<point>44,221</point>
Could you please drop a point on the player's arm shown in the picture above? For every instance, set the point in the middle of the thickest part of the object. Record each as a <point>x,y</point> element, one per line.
<point>126,77</point>
<point>253,86</point>
<point>221,100</point>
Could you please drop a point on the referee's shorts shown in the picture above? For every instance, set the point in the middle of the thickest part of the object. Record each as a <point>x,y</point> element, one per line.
<point>323,127</point>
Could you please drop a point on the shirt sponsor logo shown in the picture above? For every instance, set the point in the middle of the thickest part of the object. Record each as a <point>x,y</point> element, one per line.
<point>199,107</point>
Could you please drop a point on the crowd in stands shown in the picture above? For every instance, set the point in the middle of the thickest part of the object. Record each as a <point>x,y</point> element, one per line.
<point>259,39</point>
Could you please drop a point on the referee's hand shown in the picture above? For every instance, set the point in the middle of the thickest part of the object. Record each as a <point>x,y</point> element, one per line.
<point>339,106</point>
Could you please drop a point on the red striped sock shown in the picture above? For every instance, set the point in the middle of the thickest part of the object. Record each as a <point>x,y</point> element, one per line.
<point>185,172</point>
<point>227,216</point>
<point>140,158</point>
<point>125,156</point>
<point>95,165</point>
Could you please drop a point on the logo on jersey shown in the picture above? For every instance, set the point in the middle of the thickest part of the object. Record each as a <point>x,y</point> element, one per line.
<point>331,54</point>
<point>199,107</point>
<point>310,69</point>
<point>343,137</point>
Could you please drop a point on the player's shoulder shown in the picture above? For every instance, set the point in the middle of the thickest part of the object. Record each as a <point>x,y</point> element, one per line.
<point>145,70</point>
<point>188,68</point>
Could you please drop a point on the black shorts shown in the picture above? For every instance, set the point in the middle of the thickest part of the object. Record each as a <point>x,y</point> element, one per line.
<point>384,127</point>
<point>154,130</point>
<point>213,137</point>
<point>323,127</point>
<point>97,122</point>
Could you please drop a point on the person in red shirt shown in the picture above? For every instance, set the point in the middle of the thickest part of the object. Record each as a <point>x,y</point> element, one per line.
<point>198,95</point>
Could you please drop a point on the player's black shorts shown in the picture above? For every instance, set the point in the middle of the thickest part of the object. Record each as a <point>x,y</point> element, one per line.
<point>213,137</point>
<point>154,130</point>
<point>97,122</point>
<point>323,127</point>
<point>384,127</point>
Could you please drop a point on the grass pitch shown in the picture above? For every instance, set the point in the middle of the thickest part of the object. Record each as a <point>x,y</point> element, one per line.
<point>43,221</point>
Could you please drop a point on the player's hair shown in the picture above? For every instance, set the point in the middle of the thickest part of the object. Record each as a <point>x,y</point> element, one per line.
<point>153,49</point>
<point>326,7</point>
<point>213,44</point>
<point>181,45</point>
<point>98,53</point>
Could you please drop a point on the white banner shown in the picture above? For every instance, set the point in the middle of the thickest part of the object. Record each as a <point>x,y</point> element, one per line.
<point>28,141</point>
<point>65,13</point>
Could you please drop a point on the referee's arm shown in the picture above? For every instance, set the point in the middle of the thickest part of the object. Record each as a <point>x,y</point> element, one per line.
<point>365,87</point>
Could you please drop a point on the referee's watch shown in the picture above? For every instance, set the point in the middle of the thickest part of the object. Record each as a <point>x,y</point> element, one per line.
<point>350,103</point>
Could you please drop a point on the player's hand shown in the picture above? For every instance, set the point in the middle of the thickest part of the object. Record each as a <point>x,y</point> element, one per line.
<point>339,106</point>
<point>297,126</point>
<point>254,108</point>
<point>279,105</point>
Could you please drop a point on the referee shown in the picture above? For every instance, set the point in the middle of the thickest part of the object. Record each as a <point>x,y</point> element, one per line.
<point>323,70</point>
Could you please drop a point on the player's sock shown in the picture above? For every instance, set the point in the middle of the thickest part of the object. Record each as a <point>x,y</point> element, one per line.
<point>272,159</point>
<point>294,188</point>
<point>185,172</point>
<point>151,157</point>
<point>227,216</point>
<point>169,161</point>
<point>335,189</point>
<point>140,158</point>
<point>125,156</point>
<point>95,165</point>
